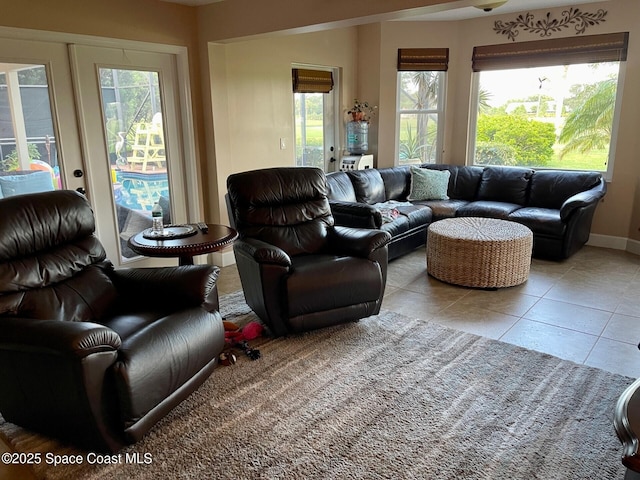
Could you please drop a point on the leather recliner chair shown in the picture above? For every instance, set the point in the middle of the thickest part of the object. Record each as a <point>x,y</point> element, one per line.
<point>298,270</point>
<point>88,353</point>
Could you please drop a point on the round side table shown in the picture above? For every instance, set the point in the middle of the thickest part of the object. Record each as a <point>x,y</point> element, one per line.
<point>216,238</point>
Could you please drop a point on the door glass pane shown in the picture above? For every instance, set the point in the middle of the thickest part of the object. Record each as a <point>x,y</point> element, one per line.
<point>309,129</point>
<point>28,154</point>
<point>134,133</point>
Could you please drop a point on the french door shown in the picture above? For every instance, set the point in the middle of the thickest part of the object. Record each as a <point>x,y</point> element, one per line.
<point>38,129</point>
<point>315,127</point>
<point>129,115</point>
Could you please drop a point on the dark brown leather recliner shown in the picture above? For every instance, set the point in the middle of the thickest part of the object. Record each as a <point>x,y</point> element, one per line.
<point>299,271</point>
<point>90,354</point>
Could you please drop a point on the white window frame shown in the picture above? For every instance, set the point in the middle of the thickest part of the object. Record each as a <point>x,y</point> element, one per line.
<point>473,123</point>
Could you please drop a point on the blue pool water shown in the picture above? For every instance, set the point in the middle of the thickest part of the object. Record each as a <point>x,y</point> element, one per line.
<point>139,191</point>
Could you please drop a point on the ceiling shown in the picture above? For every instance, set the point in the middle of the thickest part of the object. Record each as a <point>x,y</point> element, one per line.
<point>460,13</point>
<point>511,6</point>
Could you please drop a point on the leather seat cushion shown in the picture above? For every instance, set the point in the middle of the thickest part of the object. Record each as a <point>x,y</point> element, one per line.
<point>500,210</point>
<point>126,325</point>
<point>161,357</point>
<point>397,227</point>
<point>545,221</point>
<point>418,215</point>
<point>443,208</point>
<point>363,277</point>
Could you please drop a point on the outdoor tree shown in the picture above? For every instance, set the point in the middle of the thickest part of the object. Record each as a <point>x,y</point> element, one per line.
<point>588,126</point>
<point>513,140</point>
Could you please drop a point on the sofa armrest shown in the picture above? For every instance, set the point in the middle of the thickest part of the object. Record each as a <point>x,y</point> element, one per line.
<point>579,200</point>
<point>263,252</point>
<point>177,287</point>
<point>358,242</point>
<point>71,339</point>
<point>354,214</point>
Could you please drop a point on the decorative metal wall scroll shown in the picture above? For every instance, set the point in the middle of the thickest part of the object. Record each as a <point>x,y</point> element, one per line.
<point>574,16</point>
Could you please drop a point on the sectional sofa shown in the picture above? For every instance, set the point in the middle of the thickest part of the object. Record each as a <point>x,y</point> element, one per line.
<point>557,205</point>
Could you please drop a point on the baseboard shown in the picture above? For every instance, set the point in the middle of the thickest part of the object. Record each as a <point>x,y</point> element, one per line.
<point>633,246</point>
<point>224,258</point>
<point>616,243</point>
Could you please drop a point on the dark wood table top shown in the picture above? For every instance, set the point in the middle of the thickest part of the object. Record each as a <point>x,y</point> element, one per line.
<point>185,248</point>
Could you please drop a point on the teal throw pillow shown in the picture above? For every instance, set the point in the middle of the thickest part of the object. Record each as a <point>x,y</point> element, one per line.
<point>429,184</point>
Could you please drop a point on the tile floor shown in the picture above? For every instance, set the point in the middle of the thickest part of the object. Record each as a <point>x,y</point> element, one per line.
<point>585,309</point>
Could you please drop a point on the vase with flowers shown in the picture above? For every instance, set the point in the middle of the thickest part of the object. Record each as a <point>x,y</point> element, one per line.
<point>358,127</point>
<point>362,111</point>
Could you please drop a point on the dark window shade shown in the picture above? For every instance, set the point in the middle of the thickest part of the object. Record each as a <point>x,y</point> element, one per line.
<point>311,81</point>
<point>423,59</point>
<point>611,47</point>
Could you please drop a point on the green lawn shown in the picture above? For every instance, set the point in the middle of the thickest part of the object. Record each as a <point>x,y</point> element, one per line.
<point>314,133</point>
<point>594,160</point>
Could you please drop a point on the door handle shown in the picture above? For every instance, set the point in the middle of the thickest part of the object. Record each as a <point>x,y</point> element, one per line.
<point>81,190</point>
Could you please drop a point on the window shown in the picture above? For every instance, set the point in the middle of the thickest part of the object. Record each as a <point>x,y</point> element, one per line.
<point>421,81</point>
<point>548,104</point>
<point>314,117</point>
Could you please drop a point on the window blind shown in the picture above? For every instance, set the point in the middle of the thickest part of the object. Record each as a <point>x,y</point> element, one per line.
<point>311,81</point>
<point>423,59</point>
<point>611,47</point>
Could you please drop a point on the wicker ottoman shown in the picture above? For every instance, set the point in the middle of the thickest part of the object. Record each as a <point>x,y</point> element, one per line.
<point>479,252</point>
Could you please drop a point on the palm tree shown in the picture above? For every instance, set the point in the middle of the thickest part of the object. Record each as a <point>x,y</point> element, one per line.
<point>427,94</point>
<point>483,100</point>
<point>588,127</point>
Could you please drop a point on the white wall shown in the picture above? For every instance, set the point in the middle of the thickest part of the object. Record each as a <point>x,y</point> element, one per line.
<point>253,98</point>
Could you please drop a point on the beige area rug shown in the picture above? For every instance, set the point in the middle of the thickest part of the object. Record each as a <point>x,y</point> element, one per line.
<point>387,397</point>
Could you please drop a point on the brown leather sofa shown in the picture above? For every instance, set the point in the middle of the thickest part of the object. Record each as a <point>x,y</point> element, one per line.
<point>90,354</point>
<point>299,271</point>
<point>557,205</point>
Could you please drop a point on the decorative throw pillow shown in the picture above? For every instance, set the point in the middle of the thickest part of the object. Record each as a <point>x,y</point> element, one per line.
<point>429,184</point>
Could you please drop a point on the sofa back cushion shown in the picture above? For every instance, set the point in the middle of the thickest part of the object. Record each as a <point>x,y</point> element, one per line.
<point>51,264</point>
<point>89,295</point>
<point>505,184</point>
<point>340,188</point>
<point>284,206</point>
<point>550,188</point>
<point>368,185</point>
<point>463,181</point>
<point>397,181</point>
